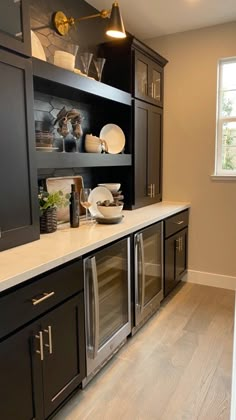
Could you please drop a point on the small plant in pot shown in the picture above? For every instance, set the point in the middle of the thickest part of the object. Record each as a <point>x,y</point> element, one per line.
<point>48,204</point>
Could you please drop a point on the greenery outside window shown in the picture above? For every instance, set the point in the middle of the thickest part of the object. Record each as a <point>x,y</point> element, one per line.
<point>226,119</point>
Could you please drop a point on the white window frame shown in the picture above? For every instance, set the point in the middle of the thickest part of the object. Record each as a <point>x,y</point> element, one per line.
<point>219,172</point>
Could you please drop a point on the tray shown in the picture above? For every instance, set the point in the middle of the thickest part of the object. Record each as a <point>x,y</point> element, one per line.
<point>64,184</point>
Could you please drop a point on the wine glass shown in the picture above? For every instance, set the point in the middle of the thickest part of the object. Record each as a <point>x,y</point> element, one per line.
<point>86,59</point>
<point>99,64</point>
<point>84,200</point>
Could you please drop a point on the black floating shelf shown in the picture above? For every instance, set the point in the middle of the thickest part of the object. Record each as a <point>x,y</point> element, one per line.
<point>59,160</point>
<point>56,75</point>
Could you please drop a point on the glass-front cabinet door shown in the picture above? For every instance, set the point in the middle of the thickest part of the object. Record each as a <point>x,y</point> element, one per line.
<point>148,79</point>
<point>15,26</point>
<point>107,300</point>
<point>148,271</point>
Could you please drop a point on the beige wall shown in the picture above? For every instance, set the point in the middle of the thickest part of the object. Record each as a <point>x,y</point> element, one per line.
<point>189,143</point>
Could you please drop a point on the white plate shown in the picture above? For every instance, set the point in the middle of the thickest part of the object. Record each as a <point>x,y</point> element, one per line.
<point>36,47</point>
<point>98,194</point>
<point>114,137</point>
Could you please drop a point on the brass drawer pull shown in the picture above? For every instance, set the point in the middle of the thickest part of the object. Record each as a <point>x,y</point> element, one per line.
<point>44,297</point>
<point>180,222</point>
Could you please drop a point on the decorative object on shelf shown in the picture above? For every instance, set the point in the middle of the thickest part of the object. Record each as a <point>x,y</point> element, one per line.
<point>48,203</point>
<point>63,118</point>
<point>114,137</point>
<point>99,64</point>
<point>115,28</point>
<point>37,50</point>
<point>86,59</point>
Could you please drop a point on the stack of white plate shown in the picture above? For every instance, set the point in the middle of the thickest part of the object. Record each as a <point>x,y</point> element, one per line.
<point>64,59</point>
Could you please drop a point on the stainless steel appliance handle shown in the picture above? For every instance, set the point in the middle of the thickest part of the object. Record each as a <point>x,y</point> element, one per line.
<point>96,305</point>
<point>143,270</point>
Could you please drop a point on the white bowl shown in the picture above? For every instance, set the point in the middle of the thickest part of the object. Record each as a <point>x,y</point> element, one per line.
<point>110,211</point>
<point>92,144</point>
<point>110,186</point>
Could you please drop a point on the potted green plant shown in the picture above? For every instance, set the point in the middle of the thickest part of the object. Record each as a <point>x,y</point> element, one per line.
<point>48,204</point>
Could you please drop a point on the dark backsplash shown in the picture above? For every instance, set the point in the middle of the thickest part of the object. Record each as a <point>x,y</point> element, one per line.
<point>87,35</point>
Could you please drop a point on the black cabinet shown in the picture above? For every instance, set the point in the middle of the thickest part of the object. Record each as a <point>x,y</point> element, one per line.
<point>19,207</point>
<point>141,73</point>
<point>15,26</point>
<point>43,361</point>
<point>147,153</point>
<point>176,250</point>
<point>148,79</point>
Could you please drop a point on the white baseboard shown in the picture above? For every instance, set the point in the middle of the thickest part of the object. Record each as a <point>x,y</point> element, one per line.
<point>210,279</point>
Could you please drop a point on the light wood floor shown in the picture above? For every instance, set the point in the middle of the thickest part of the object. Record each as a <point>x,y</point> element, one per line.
<point>177,367</point>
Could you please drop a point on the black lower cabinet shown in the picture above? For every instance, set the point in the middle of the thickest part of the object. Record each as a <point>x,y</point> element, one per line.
<point>43,363</point>
<point>21,377</point>
<point>176,249</point>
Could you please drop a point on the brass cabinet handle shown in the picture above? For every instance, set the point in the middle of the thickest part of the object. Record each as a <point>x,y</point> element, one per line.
<point>45,296</point>
<point>40,351</point>
<point>180,222</point>
<point>153,190</point>
<point>49,332</point>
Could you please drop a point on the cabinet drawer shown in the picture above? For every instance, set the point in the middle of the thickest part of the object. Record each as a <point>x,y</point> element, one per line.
<point>43,293</point>
<point>175,223</point>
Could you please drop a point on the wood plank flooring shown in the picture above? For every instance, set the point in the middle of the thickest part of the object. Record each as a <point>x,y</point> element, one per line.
<point>177,367</point>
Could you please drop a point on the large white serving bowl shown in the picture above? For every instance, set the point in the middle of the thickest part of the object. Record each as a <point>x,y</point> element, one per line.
<point>110,211</point>
<point>111,187</point>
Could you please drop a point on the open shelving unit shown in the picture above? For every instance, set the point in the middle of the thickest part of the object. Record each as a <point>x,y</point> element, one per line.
<point>57,81</point>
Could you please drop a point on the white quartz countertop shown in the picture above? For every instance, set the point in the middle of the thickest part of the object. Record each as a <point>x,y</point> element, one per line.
<point>24,262</point>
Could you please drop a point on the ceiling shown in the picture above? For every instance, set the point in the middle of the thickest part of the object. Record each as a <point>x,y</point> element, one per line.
<point>151,18</point>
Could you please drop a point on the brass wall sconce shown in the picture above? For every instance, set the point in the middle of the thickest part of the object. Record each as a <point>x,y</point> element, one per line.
<point>115,29</point>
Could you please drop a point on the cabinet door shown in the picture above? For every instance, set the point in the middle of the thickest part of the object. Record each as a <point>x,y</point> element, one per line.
<point>154,162</point>
<point>20,379</point>
<point>175,259</point>
<point>19,208</point>
<point>148,153</point>
<point>148,79</point>
<point>15,26</point>
<point>64,351</point>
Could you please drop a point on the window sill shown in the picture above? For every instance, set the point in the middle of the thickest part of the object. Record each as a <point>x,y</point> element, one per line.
<point>223,177</point>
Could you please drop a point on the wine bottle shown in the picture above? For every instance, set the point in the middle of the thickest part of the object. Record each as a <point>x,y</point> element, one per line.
<point>74,207</point>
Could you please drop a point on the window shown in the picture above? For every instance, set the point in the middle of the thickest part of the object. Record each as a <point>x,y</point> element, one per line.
<point>226,119</point>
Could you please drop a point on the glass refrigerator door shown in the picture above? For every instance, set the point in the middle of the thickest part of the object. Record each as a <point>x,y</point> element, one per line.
<point>107,287</point>
<point>148,275</point>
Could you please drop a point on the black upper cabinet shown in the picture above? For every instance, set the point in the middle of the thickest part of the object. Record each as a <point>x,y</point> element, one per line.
<point>139,70</point>
<point>19,208</point>
<point>148,79</point>
<point>14,26</point>
<point>135,68</point>
<point>147,152</point>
